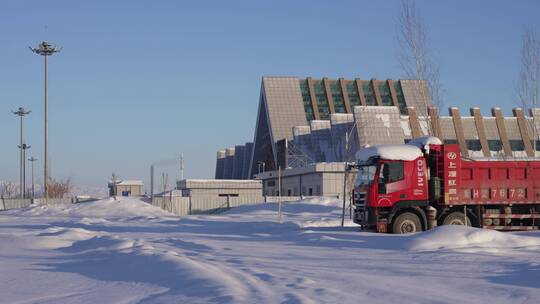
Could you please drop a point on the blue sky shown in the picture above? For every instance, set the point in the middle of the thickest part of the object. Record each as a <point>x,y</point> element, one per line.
<point>142,81</point>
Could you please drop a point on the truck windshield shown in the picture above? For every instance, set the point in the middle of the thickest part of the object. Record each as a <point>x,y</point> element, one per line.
<point>366,175</point>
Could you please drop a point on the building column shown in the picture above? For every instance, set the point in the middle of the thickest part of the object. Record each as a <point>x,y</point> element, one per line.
<point>481,130</point>
<point>499,119</point>
<point>393,94</point>
<point>458,127</point>
<point>359,87</point>
<point>376,92</point>
<point>525,136</point>
<point>328,92</point>
<point>345,94</point>
<point>313,98</point>
<point>414,123</point>
<point>435,125</point>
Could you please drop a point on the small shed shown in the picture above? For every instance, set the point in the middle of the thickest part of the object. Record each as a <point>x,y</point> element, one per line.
<point>126,188</point>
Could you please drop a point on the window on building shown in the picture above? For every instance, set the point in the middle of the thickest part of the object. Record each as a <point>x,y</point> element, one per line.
<point>271,183</point>
<point>369,94</point>
<point>384,91</point>
<point>535,144</point>
<point>494,145</point>
<point>517,145</point>
<point>354,99</point>
<point>474,144</point>
<point>400,98</point>
<point>322,101</point>
<point>337,97</point>
<point>308,108</point>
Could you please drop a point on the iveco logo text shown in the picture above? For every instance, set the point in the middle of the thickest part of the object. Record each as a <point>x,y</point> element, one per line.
<point>420,176</point>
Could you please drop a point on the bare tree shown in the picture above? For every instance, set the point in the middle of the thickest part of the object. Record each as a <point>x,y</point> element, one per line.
<point>59,188</point>
<point>528,85</point>
<point>415,58</point>
<point>8,189</point>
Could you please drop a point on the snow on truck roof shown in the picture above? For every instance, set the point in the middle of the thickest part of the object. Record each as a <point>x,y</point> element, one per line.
<point>389,152</point>
<point>424,142</point>
<point>410,151</point>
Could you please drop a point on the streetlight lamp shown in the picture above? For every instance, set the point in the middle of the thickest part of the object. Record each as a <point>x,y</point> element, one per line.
<point>21,112</point>
<point>32,160</point>
<point>24,147</point>
<point>45,49</point>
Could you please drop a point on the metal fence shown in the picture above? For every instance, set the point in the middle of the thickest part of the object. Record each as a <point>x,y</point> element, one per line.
<point>15,203</point>
<point>179,205</point>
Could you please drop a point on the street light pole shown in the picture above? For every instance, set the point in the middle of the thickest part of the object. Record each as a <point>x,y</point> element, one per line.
<point>21,112</point>
<point>45,49</point>
<point>32,160</point>
<point>24,148</point>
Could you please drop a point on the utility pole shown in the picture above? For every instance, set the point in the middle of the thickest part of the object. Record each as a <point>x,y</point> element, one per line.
<point>181,166</point>
<point>45,49</point>
<point>21,112</point>
<point>279,195</point>
<point>24,147</point>
<point>346,170</point>
<point>114,187</point>
<point>152,183</point>
<point>164,177</point>
<point>32,160</point>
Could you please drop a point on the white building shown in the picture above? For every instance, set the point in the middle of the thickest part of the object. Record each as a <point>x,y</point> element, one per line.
<point>319,179</point>
<point>126,188</point>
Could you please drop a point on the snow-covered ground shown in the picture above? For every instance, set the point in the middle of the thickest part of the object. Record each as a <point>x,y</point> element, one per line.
<point>131,252</point>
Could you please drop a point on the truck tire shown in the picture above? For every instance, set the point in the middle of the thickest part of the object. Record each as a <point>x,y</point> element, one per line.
<point>407,222</point>
<point>456,218</point>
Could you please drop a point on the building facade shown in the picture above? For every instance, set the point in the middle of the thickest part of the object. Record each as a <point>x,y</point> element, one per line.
<point>126,188</point>
<point>306,121</point>
<point>289,102</point>
<point>319,179</point>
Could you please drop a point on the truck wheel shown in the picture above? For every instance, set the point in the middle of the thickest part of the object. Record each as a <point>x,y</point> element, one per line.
<point>456,218</point>
<point>406,223</point>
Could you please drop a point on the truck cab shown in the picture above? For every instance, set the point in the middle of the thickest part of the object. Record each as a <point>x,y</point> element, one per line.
<point>389,177</point>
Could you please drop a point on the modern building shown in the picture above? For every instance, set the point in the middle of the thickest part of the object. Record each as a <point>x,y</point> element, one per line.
<point>305,121</point>
<point>233,163</point>
<point>319,179</point>
<point>126,188</point>
<point>289,102</point>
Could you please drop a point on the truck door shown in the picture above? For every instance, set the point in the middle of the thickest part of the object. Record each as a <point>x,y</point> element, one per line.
<point>391,183</point>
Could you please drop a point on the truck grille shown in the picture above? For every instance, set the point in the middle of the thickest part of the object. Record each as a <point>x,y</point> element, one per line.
<point>360,199</point>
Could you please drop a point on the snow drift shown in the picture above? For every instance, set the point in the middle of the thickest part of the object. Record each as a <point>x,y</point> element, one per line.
<point>470,239</point>
<point>127,251</point>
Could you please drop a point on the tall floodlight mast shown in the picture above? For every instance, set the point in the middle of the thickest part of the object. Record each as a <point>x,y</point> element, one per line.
<point>32,160</point>
<point>21,112</point>
<point>24,147</point>
<point>46,49</point>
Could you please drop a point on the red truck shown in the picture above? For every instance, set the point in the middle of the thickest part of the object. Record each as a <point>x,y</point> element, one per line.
<point>422,184</point>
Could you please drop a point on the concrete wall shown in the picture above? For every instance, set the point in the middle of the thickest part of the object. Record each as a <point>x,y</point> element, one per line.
<point>208,205</point>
